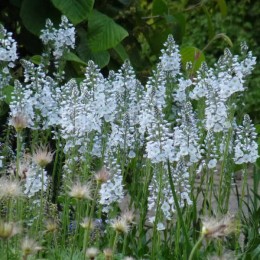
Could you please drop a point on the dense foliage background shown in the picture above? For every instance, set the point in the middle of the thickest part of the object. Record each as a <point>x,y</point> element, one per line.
<point>109,32</point>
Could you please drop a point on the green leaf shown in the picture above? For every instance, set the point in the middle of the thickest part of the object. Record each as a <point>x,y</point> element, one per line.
<point>101,58</point>
<point>70,56</point>
<point>76,10</point>
<point>257,128</point>
<point>225,38</point>
<point>4,108</point>
<point>223,7</point>
<point>193,55</point>
<point>36,59</point>
<point>120,50</point>
<point>159,7</point>
<point>7,92</point>
<point>103,32</point>
<point>209,20</point>
<point>34,14</point>
<point>177,23</point>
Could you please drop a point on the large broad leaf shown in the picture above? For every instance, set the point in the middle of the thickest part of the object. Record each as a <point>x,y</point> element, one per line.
<point>75,10</point>
<point>193,55</point>
<point>35,12</point>
<point>101,58</point>
<point>103,32</point>
<point>160,7</point>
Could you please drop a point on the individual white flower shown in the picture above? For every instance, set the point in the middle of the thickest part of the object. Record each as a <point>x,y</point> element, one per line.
<point>160,226</point>
<point>212,163</point>
<point>151,219</point>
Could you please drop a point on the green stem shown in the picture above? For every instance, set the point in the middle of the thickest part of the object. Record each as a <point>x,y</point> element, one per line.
<point>142,197</point>
<point>179,213</point>
<point>40,218</point>
<point>7,249</point>
<point>243,187</point>
<point>124,244</point>
<point>78,216</point>
<point>155,231</point>
<point>225,157</point>
<point>196,247</point>
<point>114,243</point>
<point>18,152</point>
<point>56,176</point>
<point>91,216</point>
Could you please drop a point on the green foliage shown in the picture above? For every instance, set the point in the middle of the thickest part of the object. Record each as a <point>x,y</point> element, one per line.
<point>34,15</point>
<point>103,32</point>
<point>76,10</point>
<point>101,58</point>
<point>98,33</point>
<point>193,55</point>
<point>7,91</point>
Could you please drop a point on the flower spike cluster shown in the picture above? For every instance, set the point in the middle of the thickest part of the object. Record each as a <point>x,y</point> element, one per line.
<point>187,123</point>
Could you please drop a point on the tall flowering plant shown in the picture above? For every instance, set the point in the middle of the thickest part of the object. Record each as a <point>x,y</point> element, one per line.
<point>160,145</point>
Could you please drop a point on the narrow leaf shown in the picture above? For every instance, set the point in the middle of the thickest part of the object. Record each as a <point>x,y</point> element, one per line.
<point>120,50</point>
<point>225,38</point>
<point>223,7</point>
<point>70,56</point>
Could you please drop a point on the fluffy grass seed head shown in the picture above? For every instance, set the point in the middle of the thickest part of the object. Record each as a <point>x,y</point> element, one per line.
<point>92,253</point>
<point>230,255</point>
<point>120,225</point>
<point>129,258</point>
<point>19,122</point>
<point>80,191</point>
<point>24,166</point>
<point>88,223</point>
<point>51,226</point>
<point>219,228</point>
<point>10,188</point>
<point>128,216</point>
<point>108,253</point>
<point>42,156</point>
<point>102,176</point>
<point>8,229</point>
<point>30,247</point>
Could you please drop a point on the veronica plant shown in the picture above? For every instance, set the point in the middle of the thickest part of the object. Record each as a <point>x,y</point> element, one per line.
<point>160,147</point>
